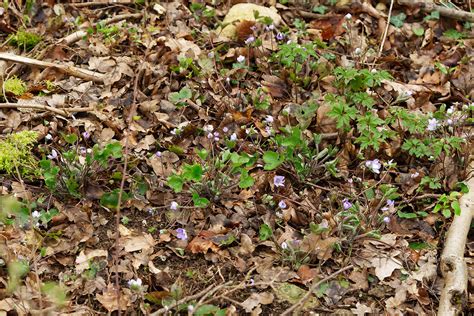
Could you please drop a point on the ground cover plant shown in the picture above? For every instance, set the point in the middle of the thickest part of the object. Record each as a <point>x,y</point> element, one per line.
<point>157,160</point>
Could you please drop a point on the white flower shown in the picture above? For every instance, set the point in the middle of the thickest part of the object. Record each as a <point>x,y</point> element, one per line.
<point>348,16</point>
<point>284,245</point>
<point>449,121</point>
<point>250,40</point>
<point>208,128</point>
<point>450,110</point>
<point>225,129</point>
<point>373,71</point>
<point>414,175</point>
<point>48,137</point>
<point>282,204</point>
<point>174,206</point>
<point>374,165</point>
<point>241,59</point>
<point>135,284</point>
<point>269,119</point>
<point>54,154</point>
<point>357,51</point>
<point>233,137</point>
<point>432,124</point>
<point>36,214</point>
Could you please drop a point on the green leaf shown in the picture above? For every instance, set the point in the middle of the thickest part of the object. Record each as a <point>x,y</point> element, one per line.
<point>265,232</point>
<point>246,180</point>
<point>398,20</point>
<point>111,199</point>
<point>203,153</point>
<point>176,183</point>
<point>419,245</point>
<point>70,138</point>
<point>446,212</point>
<point>272,160</point>
<point>406,215</point>
<point>321,9</point>
<point>463,187</point>
<point>418,31</point>
<point>456,207</point>
<point>185,93</point>
<point>200,201</point>
<point>192,172</point>
<point>207,309</point>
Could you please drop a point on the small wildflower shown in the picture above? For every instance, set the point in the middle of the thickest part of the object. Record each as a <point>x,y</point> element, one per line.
<point>390,203</point>
<point>208,128</point>
<point>48,137</point>
<point>227,80</point>
<point>324,224</point>
<point>284,245</point>
<point>86,135</point>
<point>373,71</point>
<point>174,206</point>
<point>288,42</point>
<point>386,219</point>
<point>225,129</point>
<point>282,204</point>
<point>181,234</point>
<point>54,155</point>
<point>135,284</point>
<point>449,121</point>
<point>210,55</point>
<point>279,181</point>
<point>348,16</point>
<point>414,175</point>
<point>233,137</point>
<point>241,59</point>
<point>36,214</point>
<point>450,110</point>
<point>357,51</point>
<point>158,154</point>
<point>250,40</point>
<point>83,151</point>
<point>374,165</point>
<point>269,27</point>
<point>346,204</point>
<point>269,130</point>
<point>174,131</point>
<point>432,124</point>
<point>280,36</point>
<point>210,135</point>
<point>190,308</point>
<point>269,119</point>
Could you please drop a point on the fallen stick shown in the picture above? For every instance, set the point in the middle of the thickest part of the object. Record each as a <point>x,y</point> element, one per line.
<point>311,290</point>
<point>452,264</point>
<point>100,3</point>
<point>70,70</point>
<point>76,36</point>
<point>61,111</point>
<point>429,6</point>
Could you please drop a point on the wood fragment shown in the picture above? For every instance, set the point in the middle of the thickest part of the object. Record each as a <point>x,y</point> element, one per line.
<point>452,263</point>
<point>70,70</point>
<point>429,6</point>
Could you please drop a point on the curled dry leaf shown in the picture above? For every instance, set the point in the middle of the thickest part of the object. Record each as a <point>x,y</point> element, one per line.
<point>111,301</point>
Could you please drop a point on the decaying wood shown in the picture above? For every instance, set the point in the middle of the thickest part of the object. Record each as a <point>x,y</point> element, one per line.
<point>70,70</point>
<point>61,111</point>
<point>452,264</point>
<point>429,6</point>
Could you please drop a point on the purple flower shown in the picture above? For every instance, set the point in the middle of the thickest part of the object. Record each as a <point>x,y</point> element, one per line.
<point>225,129</point>
<point>181,234</point>
<point>210,135</point>
<point>54,155</point>
<point>386,219</point>
<point>86,135</point>
<point>250,40</point>
<point>252,282</point>
<point>390,203</point>
<point>233,137</point>
<point>282,204</point>
<point>280,36</point>
<point>279,181</point>
<point>210,54</point>
<point>174,206</point>
<point>241,59</point>
<point>374,165</point>
<point>158,154</point>
<point>269,27</point>
<point>269,130</point>
<point>449,121</point>
<point>346,204</point>
<point>269,119</point>
<point>216,136</point>
<point>432,124</point>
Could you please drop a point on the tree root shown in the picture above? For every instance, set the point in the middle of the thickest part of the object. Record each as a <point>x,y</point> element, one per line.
<point>453,265</point>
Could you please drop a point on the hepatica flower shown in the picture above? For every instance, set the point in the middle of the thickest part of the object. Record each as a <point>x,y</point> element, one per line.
<point>390,203</point>
<point>280,36</point>
<point>432,124</point>
<point>233,137</point>
<point>241,59</point>
<point>279,181</point>
<point>282,204</point>
<point>36,214</point>
<point>181,234</point>
<point>284,245</point>
<point>86,135</point>
<point>135,284</point>
<point>174,206</point>
<point>250,40</point>
<point>54,155</point>
<point>269,119</point>
<point>346,204</point>
<point>374,165</point>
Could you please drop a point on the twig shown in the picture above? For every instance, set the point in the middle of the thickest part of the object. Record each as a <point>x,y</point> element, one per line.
<point>70,70</point>
<point>188,298</point>
<point>386,29</point>
<point>100,3</point>
<point>312,288</point>
<point>61,111</point>
<point>443,11</point>
<point>452,264</point>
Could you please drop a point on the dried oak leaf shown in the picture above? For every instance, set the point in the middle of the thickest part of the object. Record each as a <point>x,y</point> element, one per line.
<point>202,243</point>
<point>110,300</point>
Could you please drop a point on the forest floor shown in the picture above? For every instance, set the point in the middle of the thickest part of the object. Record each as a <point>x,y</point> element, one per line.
<point>169,159</point>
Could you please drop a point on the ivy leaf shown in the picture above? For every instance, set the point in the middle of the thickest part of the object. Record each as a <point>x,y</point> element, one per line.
<point>456,207</point>
<point>200,201</point>
<point>192,172</point>
<point>176,183</point>
<point>246,180</point>
<point>398,20</point>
